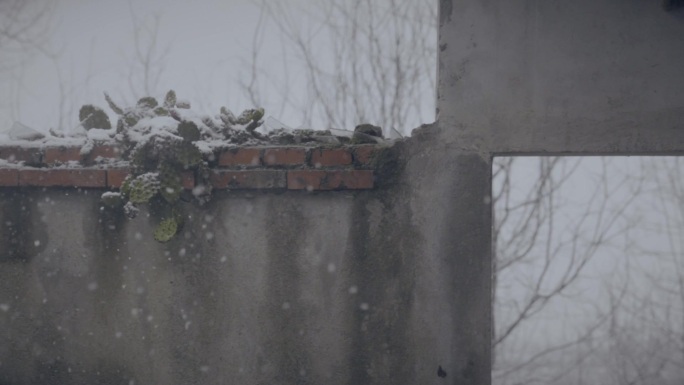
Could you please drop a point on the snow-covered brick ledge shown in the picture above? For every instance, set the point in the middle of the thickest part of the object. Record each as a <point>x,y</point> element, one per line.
<point>267,167</point>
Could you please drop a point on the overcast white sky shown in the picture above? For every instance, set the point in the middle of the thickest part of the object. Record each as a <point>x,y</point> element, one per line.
<point>93,43</point>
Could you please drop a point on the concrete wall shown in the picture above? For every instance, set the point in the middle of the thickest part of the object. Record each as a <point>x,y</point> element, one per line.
<point>260,288</point>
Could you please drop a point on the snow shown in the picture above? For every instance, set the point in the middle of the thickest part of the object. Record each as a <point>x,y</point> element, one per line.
<point>9,164</point>
<point>19,131</point>
<point>100,134</point>
<point>111,194</point>
<point>215,135</point>
<point>272,124</point>
<point>183,103</point>
<point>87,147</point>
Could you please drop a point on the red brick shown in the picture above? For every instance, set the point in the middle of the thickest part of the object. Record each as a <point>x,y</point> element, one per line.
<point>256,179</point>
<point>363,154</point>
<point>31,156</point>
<point>330,157</point>
<point>116,176</point>
<point>284,156</point>
<point>9,177</point>
<point>240,157</point>
<point>62,154</point>
<point>188,180</point>
<point>63,177</point>
<point>329,180</point>
<point>67,154</point>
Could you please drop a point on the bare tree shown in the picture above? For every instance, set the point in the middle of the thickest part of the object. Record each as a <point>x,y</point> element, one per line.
<point>545,241</point>
<point>357,61</point>
<point>24,27</point>
<point>24,30</point>
<point>147,64</point>
<point>646,337</point>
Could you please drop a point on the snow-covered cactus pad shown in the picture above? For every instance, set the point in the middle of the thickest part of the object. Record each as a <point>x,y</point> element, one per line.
<point>112,199</point>
<point>147,103</point>
<point>227,117</point>
<point>161,111</point>
<point>143,187</point>
<point>170,99</point>
<point>252,115</point>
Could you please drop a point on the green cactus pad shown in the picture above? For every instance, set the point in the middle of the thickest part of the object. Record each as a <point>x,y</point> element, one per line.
<point>138,160</point>
<point>126,185</point>
<point>257,114</point>
<point>188,155</point>
<point>147,102</point>
<point>130,119</point>
<point>120,126</point>
<point>166,230</point>
<point>170,186</point>
<point>93,117</point>
<point>161,111</point>
<point>188,131</point>
<point>245,117</point>
<point>170,99</point>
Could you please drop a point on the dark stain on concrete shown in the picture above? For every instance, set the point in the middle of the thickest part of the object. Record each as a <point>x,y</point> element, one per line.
<point>287,350</point>
<point>383,266</point>
<point>22,232</point>
<point>446,8</point>
<point>105,238</point>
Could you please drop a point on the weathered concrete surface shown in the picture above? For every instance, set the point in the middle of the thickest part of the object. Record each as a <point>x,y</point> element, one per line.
<point>376,287</point>
<point>581,77</point>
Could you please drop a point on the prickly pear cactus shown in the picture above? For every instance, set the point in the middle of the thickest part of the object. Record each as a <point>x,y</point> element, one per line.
<point>159,141</point>
<point>93,117</point>
<point>166,230</point>
<point>170,185</point>
<point>170,99</point>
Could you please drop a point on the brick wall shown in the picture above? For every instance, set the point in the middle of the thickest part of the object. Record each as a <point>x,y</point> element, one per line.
<point>292,168</point>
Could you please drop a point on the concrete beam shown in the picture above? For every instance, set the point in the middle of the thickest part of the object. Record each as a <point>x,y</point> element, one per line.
<point>582,77</point>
